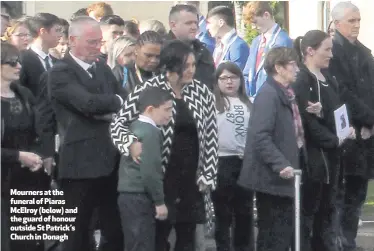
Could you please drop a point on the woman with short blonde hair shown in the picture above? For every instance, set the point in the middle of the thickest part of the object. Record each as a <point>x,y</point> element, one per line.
<point>18,34</point>
<point>120,55</point>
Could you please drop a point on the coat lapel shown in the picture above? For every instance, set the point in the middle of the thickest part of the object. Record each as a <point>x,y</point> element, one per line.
<point>281,93</point>
<point>78,70</point>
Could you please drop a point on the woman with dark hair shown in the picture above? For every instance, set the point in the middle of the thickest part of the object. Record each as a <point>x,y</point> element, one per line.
<point>233,205</point>
<point>189,147</point>
<point>274,148</point>
<point>20,165</point>
<point>147,59</point>
<point>315,85</point>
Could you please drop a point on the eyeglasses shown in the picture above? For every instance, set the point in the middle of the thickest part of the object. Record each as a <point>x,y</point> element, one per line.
<point>95,42</point>
<point>12,62</point>
<point>22,35</point>
<point>227,78</point>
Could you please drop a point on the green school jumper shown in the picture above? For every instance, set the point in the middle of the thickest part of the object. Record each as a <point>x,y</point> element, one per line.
<point>146,177</point>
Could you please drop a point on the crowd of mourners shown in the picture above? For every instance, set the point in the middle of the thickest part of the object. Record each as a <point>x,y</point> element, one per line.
<point>194,129</point>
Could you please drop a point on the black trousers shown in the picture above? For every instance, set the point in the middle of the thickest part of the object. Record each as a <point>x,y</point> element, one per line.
<point>275,222</point>
<point>233,206</point>
<point>355,191</point>
<point>23,179</point>
<point>138,221</point>
<point>185,235</point>
<point>5,225</point>
<point>319,232</point>
<point>88,194</point>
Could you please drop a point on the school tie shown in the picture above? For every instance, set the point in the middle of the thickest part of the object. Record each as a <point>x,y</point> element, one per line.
<point>47,64</point>
<point>125,76</point>
<point>92,70</point>
<point>260,52</point>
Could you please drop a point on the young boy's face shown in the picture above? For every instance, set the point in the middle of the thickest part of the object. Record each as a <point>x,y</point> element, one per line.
<point>52,36</point>
<point>162,114</point>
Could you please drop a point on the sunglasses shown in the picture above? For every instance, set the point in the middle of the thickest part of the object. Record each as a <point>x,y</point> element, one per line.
<point>12,63</point>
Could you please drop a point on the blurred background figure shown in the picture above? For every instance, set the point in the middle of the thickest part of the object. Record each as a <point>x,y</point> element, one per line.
<point>79,13</point>
<point>121,55</point>
<point>63,44</point>
<point>331,29</point>
<point>99,10</point>
<point>221,25</point>
<point>5,17</point>
<point>152,25</point>
<point>131,29</point>
<point>112,26</point>
<point>18,34</point>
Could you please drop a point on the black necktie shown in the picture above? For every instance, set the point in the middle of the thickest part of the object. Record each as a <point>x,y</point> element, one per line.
<point>47,64</point>
<point>92,70</point>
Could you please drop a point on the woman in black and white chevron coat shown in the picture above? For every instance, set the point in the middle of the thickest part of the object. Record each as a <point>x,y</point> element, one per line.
<point>189,148</point>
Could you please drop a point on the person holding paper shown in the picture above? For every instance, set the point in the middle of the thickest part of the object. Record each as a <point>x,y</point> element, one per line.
<point>353,66</point>
<point>317,95</point>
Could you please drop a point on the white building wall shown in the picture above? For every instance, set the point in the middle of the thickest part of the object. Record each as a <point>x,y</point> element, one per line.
<point>140,10</point>
<point>304,16</point>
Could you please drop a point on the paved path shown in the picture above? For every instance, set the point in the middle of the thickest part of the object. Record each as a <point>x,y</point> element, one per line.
<point>365,238</point>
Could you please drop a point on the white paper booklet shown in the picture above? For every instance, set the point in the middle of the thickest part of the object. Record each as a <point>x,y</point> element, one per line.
<point>342,122</point>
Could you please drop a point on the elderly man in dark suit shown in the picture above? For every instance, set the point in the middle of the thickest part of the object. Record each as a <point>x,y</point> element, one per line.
<point>84,94</point>
<point>353,66</point>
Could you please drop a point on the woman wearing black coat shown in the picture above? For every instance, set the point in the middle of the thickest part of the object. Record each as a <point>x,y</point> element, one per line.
<point>20,164</point>
<point>317,95</point>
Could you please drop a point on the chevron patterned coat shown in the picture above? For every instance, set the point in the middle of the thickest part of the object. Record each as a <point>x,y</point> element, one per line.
<point>200,101</point>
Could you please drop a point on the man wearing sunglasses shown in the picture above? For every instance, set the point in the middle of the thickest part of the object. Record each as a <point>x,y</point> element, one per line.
<point>5,17</point>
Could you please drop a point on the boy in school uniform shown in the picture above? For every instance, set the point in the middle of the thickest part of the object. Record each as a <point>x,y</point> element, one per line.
<point>260,14</point>
<point>140,185</point>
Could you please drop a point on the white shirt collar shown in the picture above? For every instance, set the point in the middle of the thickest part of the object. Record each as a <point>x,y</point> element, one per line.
<point>269,33</point>
<point>82,64</point>
<point>146,119</point>
<point>225,39</point>
<point>38,51</point>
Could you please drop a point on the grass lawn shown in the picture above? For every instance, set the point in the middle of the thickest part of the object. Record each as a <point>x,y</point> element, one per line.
<point>368,210</point>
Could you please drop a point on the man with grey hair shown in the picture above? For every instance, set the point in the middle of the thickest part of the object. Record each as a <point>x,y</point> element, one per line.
<point>353,66</point>
<point>84,93</point>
